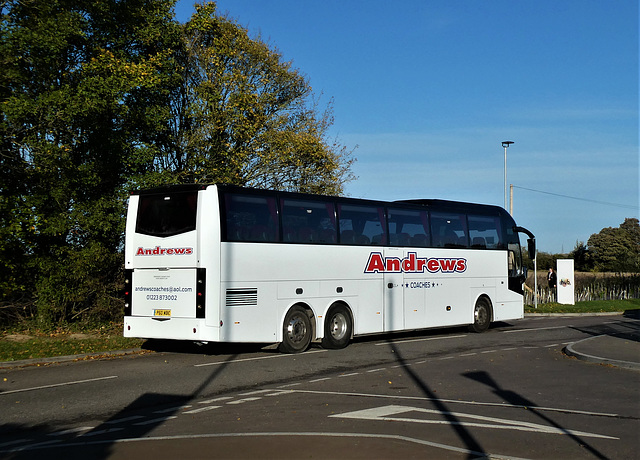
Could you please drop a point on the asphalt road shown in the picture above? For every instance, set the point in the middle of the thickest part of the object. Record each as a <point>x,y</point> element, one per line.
<point>510,392</point>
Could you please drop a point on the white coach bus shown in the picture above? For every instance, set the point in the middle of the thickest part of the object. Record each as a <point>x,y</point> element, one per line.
<point>218,263</point>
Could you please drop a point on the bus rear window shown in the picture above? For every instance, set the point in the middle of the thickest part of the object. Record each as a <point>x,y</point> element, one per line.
<point>167,214</point>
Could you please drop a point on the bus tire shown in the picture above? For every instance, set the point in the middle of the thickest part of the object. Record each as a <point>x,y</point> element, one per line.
<point>296,331</point>
<point>338,328</point>
<point>481,315</point>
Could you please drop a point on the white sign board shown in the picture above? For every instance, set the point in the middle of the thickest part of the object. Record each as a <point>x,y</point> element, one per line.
<point>566,282</point>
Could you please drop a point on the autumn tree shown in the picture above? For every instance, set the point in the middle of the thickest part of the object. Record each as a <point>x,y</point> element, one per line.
<point>616,249</point>
<point>244,116</point>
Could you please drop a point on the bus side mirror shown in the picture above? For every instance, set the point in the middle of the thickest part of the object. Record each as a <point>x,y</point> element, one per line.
<point>531,246</point>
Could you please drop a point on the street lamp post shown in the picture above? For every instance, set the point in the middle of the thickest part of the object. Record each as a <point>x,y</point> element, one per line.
<point>505,145</point>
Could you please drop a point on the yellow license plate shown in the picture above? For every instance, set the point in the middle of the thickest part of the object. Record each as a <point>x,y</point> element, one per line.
<point>161,312</point>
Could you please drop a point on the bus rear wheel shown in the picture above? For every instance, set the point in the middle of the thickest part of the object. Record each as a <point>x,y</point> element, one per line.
<point>338,328</point>
<point>296,331</point>
<point>481,315</point>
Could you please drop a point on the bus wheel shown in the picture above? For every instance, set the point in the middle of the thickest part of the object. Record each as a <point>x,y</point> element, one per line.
<point>481,315</point>
<point>337,328</point>
<point>296,333</point>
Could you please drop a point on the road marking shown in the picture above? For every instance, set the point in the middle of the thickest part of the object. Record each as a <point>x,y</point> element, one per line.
<point>319,380</point>
<point>377,370</point>
<point>257,392</point>
<point>221,398</point>
<point>422,340</point>
<point>156,420</point>
<point>552,345</point>
<point>123,420</point>
<point>349,375</point>
<point>202,409</point>
<point>290,385</point>
<point>467,452</point>
<point>172,409</point>
<point>17,441</point>
<point>389,413</point>
<point>78,429</point>
<point>468,354</point>
<point>488,351</point>
<point>43,387</point>
<point>99,432</point>
<point>457,401</point>
<point>242,401</point>
<point>218,363</point>
<point>536,329</point>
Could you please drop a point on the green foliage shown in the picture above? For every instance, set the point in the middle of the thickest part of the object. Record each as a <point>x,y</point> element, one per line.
<point>616,249</point>
<point>75,77</point>
<point>99,97</point>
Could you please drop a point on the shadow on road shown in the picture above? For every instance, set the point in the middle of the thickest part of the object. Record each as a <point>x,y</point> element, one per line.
<point>126,424</point>
<point>519,400</point>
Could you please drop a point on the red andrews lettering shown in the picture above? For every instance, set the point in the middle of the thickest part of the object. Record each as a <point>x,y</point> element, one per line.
<point>414,264</point>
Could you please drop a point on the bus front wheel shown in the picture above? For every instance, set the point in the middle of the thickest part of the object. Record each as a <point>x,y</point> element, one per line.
<point>338,328</point>
<point>296,332</point>
<point>481,315</point>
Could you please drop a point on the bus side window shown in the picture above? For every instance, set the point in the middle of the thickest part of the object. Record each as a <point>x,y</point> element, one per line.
<point>449,230</point>
<point>250,218</point>
<point>408,227</point>
<point>362,225</point>
<point>484,231</point>
<point>311,222</point>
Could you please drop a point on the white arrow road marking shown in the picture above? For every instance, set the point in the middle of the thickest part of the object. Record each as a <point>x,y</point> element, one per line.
<point>387,412</point>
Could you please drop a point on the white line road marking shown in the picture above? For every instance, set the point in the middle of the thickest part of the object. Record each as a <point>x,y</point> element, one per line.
<point>456,401</point>
<point>123,420</point>
<point>99,432</point>
<point>421,340</point>
<point>202,409</point>
<point>58,385</point>
<point>349,375</point>
<point>319,380</point>
<point>17,441</point>
<point>172,409</point>
<point>221,398</point>
<point>218,363</point>
<point>385,413</point>
<point>377,370</point>
<point>78,429</point>
<point>156,420</point>
<point>536,329</point>
<point>242,401</point>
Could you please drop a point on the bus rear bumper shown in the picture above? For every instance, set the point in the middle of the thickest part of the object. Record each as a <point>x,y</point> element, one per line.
<point>145,327</point>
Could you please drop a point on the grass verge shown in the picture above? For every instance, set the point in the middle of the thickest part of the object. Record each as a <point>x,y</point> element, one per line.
<point>27,342</point>
<point>591,306</point>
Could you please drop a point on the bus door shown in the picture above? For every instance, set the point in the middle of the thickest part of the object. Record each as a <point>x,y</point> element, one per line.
<point>393,293</point>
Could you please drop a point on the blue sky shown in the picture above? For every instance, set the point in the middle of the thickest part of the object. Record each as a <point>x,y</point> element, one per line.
<point>428,89</point>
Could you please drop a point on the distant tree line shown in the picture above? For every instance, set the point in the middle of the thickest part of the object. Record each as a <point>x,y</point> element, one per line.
<point>100,97</point>
<point>613,249</point>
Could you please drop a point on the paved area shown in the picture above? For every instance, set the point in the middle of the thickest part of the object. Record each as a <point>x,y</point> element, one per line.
<point>606,349</point>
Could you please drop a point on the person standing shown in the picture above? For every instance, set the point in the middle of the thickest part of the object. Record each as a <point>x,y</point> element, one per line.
<point>552,281</point>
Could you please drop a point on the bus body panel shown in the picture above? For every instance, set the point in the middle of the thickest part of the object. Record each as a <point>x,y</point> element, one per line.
<point>246,288</point>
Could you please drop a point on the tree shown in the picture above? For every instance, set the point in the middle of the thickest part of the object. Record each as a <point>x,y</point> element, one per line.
<point>580,255</point>
<point>76,76</point>
<point>98,97</point>
<point>616,249</point>
<point>245,117</point>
